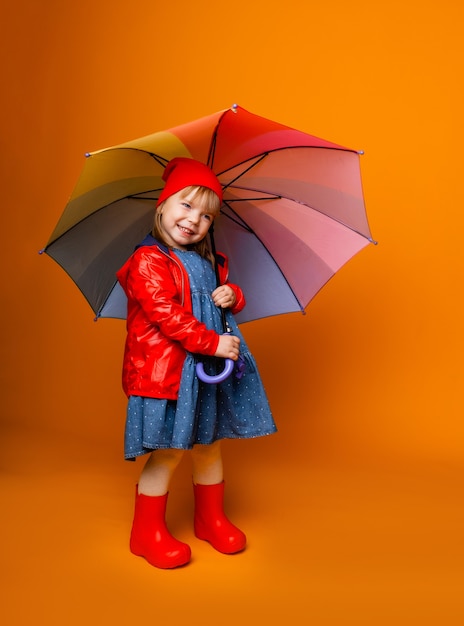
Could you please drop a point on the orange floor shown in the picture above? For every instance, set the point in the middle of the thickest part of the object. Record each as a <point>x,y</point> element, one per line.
<point>345,543</point>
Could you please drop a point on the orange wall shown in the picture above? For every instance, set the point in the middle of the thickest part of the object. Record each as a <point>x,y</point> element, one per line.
<point>375,367</point>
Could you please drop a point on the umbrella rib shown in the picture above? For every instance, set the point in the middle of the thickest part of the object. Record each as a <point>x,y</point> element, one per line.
<point>238,222</point>
<point>308,206</point>
<point>159,159</point>
<point>260,156</point>
<point>212,146</point>
<point>236,218</point>
<point>254,199</point>
<point>241,223</point>
<point>143,194</point>
<point>258,160</point>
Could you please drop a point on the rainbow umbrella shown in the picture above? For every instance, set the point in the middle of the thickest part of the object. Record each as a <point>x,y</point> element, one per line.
<point>293,211</point>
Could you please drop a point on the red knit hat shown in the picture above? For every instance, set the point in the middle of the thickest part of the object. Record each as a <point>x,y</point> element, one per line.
<point>182,172</point>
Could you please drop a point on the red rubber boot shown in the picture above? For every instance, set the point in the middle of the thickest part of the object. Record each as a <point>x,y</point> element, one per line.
<point>150,536</point>
<point>211,523</point>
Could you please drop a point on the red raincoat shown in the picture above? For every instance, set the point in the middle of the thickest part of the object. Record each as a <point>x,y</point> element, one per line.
<point>160,324</point>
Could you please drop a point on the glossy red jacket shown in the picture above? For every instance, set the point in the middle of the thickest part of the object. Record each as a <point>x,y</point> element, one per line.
<point>160,323</point>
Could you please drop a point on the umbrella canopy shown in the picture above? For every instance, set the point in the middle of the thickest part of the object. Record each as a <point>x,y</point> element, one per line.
<point>293,210</point>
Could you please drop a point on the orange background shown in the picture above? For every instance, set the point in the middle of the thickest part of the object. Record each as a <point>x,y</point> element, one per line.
<point>354,509</point>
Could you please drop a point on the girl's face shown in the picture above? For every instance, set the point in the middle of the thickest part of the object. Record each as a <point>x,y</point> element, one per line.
<point>184,220</point>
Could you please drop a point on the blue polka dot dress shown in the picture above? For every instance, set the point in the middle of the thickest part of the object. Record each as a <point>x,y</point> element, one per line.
<point>203,413</point>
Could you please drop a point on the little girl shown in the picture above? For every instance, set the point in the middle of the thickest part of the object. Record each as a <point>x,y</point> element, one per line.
<point>174,320</point>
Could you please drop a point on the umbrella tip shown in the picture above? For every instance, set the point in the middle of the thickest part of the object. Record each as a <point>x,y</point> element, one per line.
<point>87,154</point>
<point>361,152</point>
<point>234,108</point>
<point>42,251</point>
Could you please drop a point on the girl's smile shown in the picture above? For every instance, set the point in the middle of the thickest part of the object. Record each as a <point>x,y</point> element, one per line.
<point>184,220</point>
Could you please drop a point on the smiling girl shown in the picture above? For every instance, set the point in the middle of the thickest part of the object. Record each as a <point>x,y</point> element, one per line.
<point>173,320</point>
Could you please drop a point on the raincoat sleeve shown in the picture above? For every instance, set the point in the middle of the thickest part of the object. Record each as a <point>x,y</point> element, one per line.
<point>223,264</point>
<point>239,299</point>
<point>150,282</point>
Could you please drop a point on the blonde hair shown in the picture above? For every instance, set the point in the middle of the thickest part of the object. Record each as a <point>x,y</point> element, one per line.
<point>211,203</point>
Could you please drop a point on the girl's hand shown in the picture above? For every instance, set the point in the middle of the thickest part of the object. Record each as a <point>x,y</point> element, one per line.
<point>228,347</point>
<point>224,297</point>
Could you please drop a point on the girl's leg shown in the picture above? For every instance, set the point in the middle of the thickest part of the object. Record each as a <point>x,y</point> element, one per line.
<point>150,536</point>
<point>207,464</point>
<point>157,473</point>
<point>211,523</point>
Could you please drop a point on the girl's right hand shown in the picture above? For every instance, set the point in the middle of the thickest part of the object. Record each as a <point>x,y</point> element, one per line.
<point>228,347</point>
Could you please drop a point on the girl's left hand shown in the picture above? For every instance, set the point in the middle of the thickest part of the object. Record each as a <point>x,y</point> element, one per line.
<point>224,297</point>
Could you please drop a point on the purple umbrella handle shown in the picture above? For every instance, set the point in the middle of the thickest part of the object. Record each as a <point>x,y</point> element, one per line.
<point>206,378</point>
